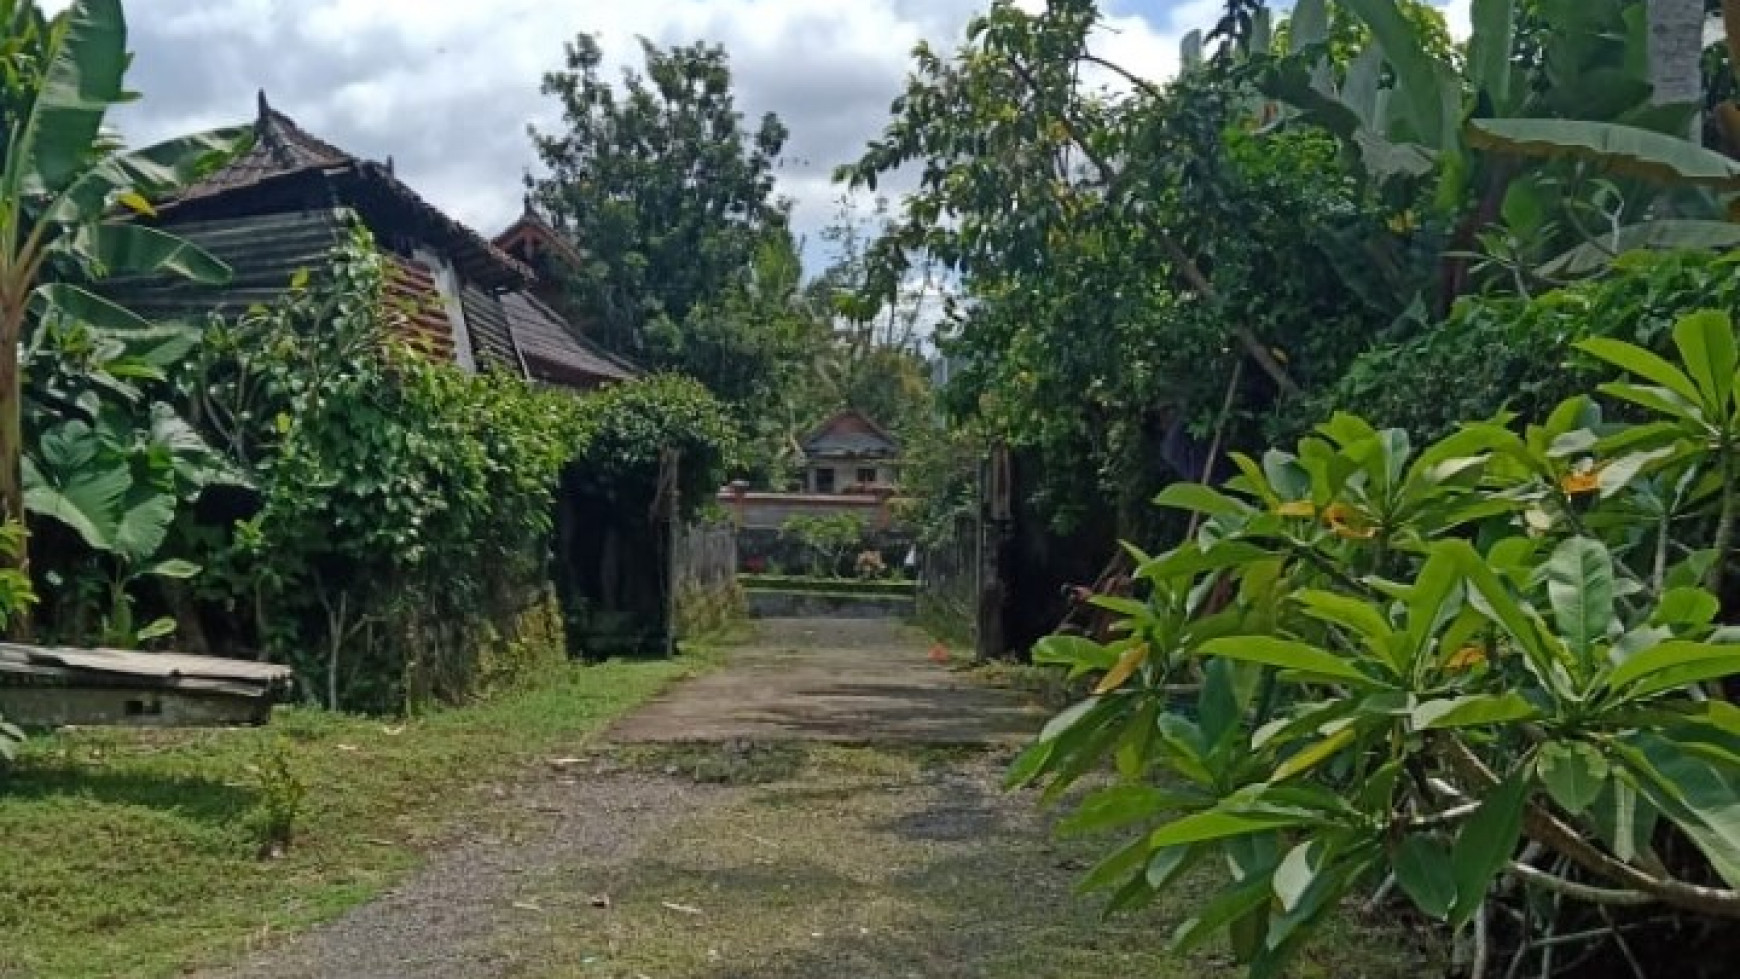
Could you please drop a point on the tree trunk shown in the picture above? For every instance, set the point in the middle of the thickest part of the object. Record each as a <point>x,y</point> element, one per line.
<point>11,431</point>
<point>12,452</point>
<point>1676,42</point>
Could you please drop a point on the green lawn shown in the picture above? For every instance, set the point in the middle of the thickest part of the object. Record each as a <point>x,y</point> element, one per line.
<point>136,853</point>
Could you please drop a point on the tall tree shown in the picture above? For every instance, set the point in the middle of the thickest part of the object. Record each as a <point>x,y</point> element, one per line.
<point>664,188</point>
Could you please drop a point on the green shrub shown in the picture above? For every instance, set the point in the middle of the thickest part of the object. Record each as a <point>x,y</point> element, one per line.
<point>703,611</point>
<point>827,538</point>
<point>403,507</point>
<point>1496,655</point>
<point>1507,353</point>
<point>16,597</point>
<point>273,820</point>
<point>527,648</point>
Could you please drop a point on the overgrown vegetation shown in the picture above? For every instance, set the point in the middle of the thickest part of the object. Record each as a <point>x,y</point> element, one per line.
<point>294,483</point>
<point>1482,644</point>
<point>402,506</point>
<point>16,597</point>
<point>66,193</point>
<point>1197,264</point>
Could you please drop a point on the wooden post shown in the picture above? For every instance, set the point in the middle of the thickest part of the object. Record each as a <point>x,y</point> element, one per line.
<point>997,528</point>
<point>673,538</point>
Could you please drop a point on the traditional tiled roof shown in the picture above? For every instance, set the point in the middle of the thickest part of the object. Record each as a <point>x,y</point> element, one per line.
<point>255,215</point>
<point>851,434</point>
<point>530,237</point>
<point>280,147</point>
<point>283,150</point>
<point>553,352</point>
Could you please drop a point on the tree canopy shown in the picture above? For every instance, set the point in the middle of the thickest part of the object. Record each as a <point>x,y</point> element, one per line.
<point>665,189</point>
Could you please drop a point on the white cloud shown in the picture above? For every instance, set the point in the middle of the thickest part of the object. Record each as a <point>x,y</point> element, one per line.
<point>1457,14</point>
<point>448,87</point>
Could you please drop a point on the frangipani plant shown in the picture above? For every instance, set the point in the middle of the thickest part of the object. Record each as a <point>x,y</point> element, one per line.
<point>1438,666</point>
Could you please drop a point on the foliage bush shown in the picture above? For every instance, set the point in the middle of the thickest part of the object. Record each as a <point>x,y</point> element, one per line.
<point>282,793</point>
<point>401,503</point>
<point>1411,661</point>
<point>403,509</point>
<point>1516,353</point>
<point>624,432</point>
<point>523,649</point>
<point>828,539</point>
<point>16,597</point>
<point>704,611</point>
<point>91,455</point>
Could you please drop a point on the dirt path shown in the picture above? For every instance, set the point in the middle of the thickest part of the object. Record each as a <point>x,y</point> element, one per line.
<point>762,847</point>
<point>856,681</point>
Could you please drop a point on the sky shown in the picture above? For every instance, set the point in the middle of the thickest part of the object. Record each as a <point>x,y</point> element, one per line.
<point>448,87</point>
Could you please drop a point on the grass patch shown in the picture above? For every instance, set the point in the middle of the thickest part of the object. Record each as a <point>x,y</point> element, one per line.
<point>128,853</point>
<point>881,864</point>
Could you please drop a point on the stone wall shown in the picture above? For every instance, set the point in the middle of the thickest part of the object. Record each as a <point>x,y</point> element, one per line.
<point>770,511</point>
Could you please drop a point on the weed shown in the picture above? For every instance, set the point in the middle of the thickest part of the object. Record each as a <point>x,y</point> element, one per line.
<point>281,793</point>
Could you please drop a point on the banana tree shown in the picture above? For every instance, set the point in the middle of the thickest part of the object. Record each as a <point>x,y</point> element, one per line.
<point>1581,102</point>
<point>69,198</point>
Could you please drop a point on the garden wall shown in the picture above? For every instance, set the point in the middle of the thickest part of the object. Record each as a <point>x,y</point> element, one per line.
<point>770,511</point>
<point>763,546</point>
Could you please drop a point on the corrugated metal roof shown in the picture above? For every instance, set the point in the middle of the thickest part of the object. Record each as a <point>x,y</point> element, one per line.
<point>553,351</point>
